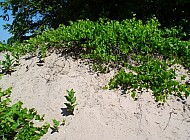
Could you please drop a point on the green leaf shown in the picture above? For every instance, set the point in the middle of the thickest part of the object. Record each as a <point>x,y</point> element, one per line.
<point>73,100</point>
<point>68,105</point>
<point>37,117</point>
<point>71,93</point>
<point>68,98</point>
<point>133,95</point>
<point>183,77</point>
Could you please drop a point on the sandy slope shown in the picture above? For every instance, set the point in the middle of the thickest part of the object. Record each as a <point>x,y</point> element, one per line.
<point>100,114</point>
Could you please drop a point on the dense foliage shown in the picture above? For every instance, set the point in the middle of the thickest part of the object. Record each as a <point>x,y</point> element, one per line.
<point>116,44</point>
<point>108,40</point>
<point>16,122</point>
<point>31,16</point>
<point>152,75</point>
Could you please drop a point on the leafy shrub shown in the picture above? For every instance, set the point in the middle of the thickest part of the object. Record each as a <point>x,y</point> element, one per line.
<point>112,42</point>
<point>2,47</point>
<point>16,122</point>
<point>109,40</point>
<point>7,64</point>
<point>151,75</point>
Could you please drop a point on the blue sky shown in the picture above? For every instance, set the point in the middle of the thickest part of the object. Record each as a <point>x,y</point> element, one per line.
<point>4,34</point>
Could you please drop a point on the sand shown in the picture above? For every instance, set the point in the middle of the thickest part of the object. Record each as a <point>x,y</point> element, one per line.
<point>100,114</point>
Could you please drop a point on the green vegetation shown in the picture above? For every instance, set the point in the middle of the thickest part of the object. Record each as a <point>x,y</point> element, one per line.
<point>63,121</point>
<point>56,125</point>
<point>7,64</point>
<point>145,49</point>
<point>117,44</point>
<point>16,122</point>
<point>108,40</point>
<point>113,37</point>
<point>71,99</point>
<point>152,75</point>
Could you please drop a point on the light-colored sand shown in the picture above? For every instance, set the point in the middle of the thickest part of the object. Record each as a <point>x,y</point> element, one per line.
<point>100,114</point>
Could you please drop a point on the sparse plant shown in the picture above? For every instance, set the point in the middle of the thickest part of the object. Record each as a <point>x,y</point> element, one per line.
<point>134,95</point>
<point>63,122</point>
<point>71,99</point>
<point>56,125</point>
<point>105,87</point>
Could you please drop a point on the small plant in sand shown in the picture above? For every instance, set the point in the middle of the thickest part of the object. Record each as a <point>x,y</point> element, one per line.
<point>56,125</point>
<point>7,64</point>
<point>71,99</point>
<point>63,122</point>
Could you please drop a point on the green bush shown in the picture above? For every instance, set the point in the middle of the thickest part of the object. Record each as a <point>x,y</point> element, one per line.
<point>112,42</point>
<point>7,64</point>
<point>16,122</point>
<point>151,75</point>
<point>109,40</point>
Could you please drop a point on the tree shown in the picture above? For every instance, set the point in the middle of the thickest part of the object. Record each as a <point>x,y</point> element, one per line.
<point>10,40</point>
<point>33,16</point>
